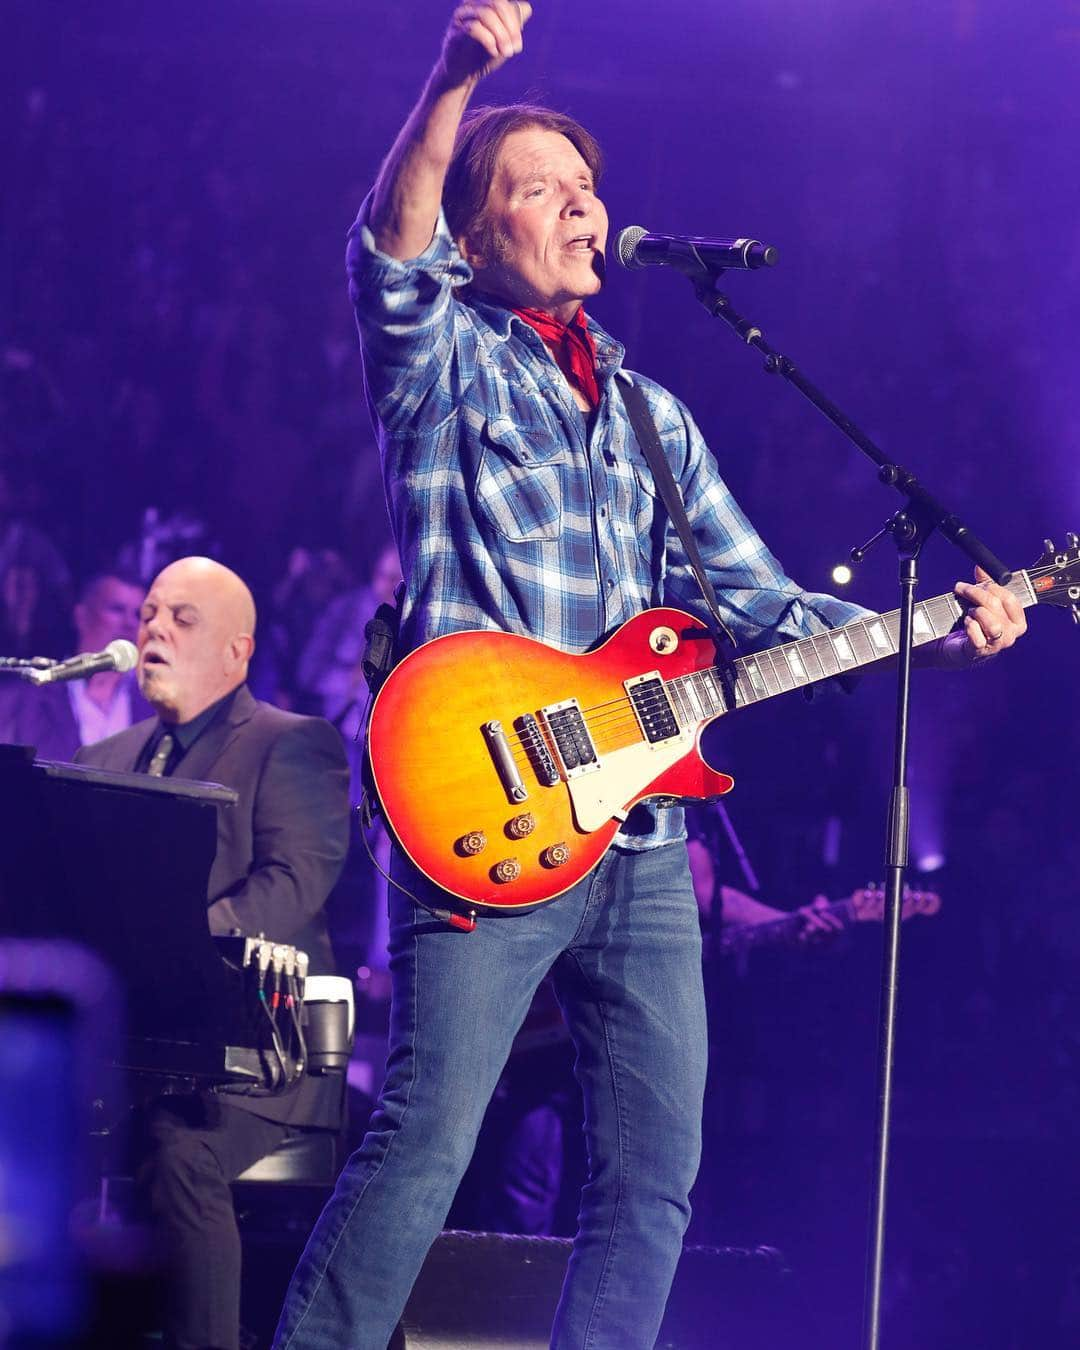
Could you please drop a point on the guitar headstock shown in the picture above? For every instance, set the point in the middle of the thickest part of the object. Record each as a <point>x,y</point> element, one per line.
<point>1055,578</point>
<point>868,904</point>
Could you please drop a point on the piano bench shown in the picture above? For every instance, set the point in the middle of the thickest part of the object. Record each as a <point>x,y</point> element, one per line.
<point>309,1159</point>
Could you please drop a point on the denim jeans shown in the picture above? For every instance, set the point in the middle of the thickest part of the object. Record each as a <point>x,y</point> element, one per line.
<point>625,949</point>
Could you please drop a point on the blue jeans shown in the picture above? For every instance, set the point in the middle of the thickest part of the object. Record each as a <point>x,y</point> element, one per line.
<point>625,949</point>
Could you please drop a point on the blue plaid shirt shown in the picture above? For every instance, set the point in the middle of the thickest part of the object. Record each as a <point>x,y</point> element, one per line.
<point>512,512</point>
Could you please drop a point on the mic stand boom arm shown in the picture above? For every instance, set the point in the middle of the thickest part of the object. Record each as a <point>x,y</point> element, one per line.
<point>20,664</point>
<point>910,526</point>
<point>922,513</point>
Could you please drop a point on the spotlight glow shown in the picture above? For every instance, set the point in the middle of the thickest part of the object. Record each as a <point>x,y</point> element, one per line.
<point>841,574</point>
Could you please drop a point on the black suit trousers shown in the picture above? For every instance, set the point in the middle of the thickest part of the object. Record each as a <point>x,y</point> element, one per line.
<point>191,1149</point>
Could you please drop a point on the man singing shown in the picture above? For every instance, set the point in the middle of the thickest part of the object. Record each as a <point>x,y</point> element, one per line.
<point>521,501</point>
<point>279,851</point>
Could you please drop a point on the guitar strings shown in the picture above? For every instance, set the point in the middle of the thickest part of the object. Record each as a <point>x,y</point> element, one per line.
<point>616,717</point>
<point>620,712</point>
<point>619,717</point>
<point>601,715</point>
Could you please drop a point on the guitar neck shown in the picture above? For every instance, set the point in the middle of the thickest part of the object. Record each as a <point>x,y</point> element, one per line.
<point>745,937</point>
<point>704,694</point>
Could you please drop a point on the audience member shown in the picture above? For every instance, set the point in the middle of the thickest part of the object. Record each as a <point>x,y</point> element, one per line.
<point>311,580</point>
<point>57,718</point>
<point>35,584</point>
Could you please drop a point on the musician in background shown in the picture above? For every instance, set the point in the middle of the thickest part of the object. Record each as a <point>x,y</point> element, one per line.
<point>57,718</point>
<point>723,906</point>
<point>521,501</point>
<point>279,852</point>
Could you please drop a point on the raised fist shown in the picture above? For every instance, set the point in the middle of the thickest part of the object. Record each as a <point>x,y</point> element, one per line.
<point>482,36</point>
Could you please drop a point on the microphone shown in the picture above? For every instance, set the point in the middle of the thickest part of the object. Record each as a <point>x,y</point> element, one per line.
<point>120,654</point>
<point>635,247</point>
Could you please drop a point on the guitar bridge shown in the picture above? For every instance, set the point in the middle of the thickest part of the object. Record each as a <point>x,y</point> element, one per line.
<point>540,757</point>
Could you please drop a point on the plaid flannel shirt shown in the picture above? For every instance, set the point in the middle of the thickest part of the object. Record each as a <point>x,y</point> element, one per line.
<point>511,513</point>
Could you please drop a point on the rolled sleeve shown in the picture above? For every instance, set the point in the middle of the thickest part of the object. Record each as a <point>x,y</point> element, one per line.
<point>414,360</point>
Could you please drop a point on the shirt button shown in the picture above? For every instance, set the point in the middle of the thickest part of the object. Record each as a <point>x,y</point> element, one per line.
<point>610,584</point>
<point>603,512</point>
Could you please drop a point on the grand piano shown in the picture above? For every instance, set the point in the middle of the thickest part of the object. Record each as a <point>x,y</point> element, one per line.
<point>119,862</point>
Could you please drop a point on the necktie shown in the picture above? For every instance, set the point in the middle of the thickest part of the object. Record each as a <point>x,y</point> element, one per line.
<point>156,767</point>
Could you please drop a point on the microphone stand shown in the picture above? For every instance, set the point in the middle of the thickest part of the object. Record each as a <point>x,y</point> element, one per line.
<point>919,516</point>
<point>24,665</point>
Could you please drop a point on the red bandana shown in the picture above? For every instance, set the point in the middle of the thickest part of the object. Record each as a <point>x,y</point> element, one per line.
<point>572,346</point>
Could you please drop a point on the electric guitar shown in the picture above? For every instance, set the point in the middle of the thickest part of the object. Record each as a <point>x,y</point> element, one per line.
<point>863,906</point>
<point>505,767</point>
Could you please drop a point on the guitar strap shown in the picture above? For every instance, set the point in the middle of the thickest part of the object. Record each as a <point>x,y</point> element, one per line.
<point>380,641</point>
<point>649,439</point>
<point>380,644</point>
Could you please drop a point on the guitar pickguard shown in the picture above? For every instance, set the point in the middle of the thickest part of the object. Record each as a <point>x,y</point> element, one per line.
<point>608,792</point>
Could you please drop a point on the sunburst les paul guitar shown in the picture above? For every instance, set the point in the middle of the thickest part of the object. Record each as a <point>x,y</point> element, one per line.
<point>505,767</point>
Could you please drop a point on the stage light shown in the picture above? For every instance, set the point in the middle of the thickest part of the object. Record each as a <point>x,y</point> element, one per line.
<point>841,574</point>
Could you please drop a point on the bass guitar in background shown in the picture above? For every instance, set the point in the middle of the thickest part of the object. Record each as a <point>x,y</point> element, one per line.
<point>544,1024</point>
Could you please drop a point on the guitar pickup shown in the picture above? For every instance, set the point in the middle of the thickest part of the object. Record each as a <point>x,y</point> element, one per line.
<point>652,708</point>
<point>570,736</point>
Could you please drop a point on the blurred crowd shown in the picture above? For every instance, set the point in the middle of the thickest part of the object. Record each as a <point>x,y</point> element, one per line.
<point>174,377</point>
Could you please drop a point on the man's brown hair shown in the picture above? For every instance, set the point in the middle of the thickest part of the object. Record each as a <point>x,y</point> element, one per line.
<point>476,150</point>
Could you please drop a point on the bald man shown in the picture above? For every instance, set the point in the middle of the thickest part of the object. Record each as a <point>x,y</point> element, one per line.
<point>280,850</point>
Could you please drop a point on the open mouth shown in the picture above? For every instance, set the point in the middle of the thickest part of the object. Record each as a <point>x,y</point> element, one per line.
<point>153,659</point>
<point>582,243</point>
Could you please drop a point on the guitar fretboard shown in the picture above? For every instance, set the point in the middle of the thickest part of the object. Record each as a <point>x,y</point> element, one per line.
<point>777,670</point>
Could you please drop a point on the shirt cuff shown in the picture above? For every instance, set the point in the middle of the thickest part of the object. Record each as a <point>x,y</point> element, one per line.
<point>368,266</point>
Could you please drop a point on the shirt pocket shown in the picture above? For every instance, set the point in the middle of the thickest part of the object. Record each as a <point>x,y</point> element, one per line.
<point>521,481</point>
<point>646,511</point>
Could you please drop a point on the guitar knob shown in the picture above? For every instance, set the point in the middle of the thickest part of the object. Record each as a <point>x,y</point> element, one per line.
<point>507,870</point>
<point>521,825</point>
<point>555,855</point>
<point>472,843</point>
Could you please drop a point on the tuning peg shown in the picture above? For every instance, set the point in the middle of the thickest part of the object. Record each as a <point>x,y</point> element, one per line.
<point>1072,539</point>
<point>1074,610</point>
<point>1048,545</point>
